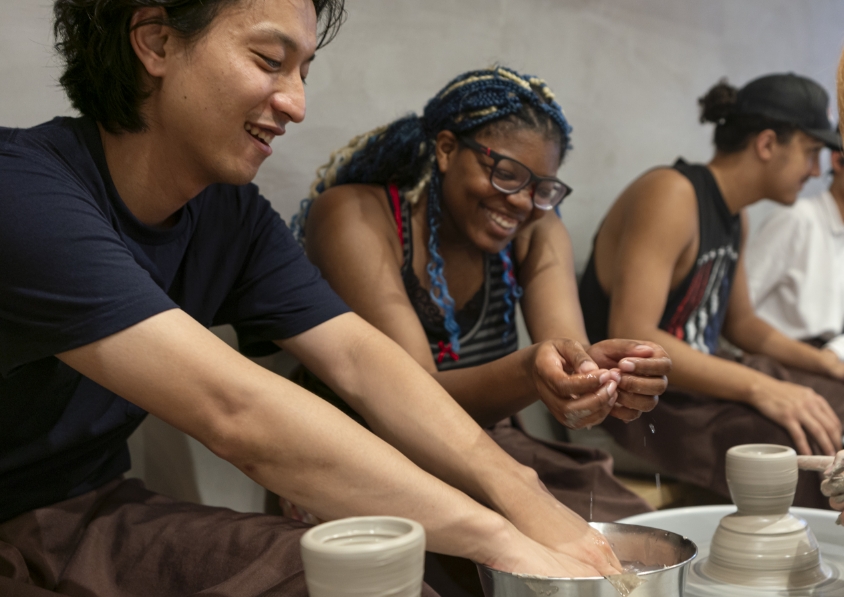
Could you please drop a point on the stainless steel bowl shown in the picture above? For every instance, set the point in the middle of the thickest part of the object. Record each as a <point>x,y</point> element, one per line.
<point>632,543</point>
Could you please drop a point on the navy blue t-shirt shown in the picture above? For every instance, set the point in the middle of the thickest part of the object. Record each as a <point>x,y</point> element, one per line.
<point>76,266</point>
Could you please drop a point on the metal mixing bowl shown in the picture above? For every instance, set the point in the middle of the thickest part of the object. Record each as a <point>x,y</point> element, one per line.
<point>631,543</point>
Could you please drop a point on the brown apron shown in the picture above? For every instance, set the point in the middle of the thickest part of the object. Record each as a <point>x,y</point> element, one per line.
<point>580,477</point>
<point>123,540</point>
<point>692,432</point>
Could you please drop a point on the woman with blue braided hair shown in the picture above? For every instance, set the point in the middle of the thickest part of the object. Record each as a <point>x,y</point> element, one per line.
<point>433,228</point>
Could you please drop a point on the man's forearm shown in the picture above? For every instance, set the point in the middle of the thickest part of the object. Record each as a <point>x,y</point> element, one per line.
<point>406,407</point>
<point>755,336</point>
<point>335,468</point>
<point>695,371</point>
<point>282,436</point>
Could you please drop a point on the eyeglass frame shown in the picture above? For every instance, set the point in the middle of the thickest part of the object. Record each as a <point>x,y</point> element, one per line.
<point>497,157</point>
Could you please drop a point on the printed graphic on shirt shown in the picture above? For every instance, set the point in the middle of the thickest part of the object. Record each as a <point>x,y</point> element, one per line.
<point>700,314</point>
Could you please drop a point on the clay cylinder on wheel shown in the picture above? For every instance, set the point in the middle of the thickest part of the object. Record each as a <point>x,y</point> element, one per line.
<point>762,478</point>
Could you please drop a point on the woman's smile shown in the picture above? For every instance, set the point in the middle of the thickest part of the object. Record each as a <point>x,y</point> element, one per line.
<point>506,223</point>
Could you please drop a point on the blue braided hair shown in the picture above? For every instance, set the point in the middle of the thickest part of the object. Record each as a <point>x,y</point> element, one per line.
<point>403,153</point>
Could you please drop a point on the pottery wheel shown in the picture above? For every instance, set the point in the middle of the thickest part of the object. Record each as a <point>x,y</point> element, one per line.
<point>699,524</point>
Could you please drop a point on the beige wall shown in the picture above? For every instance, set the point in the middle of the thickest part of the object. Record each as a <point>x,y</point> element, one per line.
<point>627,73</point>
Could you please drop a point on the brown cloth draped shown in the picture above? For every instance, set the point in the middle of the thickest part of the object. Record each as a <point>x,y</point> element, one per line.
<point>123,540</point>
<point>579,477</point>
<point>692,432</point>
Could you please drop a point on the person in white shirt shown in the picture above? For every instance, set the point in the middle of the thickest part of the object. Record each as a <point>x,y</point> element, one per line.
<point>795,266</point>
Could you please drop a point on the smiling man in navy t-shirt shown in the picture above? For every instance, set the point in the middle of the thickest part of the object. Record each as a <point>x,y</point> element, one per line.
<point>127,232</point>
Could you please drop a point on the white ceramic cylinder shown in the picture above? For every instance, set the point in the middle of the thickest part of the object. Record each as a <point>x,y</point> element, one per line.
<point>762,478</point>
<point>372,556</point>
<point>763,545</point>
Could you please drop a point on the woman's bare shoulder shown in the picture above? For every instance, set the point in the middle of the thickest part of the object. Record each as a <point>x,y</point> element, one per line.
<point>349,200</point>
<point>361,207</point>
<point>347,217</point>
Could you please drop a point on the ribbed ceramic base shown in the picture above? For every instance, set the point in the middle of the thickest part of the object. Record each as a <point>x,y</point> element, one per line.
<point>765,551</point>
<point>699,525</point>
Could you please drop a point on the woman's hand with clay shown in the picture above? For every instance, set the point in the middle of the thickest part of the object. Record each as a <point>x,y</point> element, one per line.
<point>576,390</point>
<point>833,484</point>
<point>643,366</point>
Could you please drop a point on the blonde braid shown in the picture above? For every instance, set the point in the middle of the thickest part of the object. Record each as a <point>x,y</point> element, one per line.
<point>326,175</point>
<point>413,194</point>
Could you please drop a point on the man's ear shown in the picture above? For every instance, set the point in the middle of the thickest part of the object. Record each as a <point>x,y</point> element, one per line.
<point>836,158</point>
<point>446,150</point>
<point>765,145</point>
<point>149,38</point>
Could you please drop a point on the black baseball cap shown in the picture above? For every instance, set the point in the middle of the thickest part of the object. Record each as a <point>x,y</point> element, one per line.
<point>793,99</point>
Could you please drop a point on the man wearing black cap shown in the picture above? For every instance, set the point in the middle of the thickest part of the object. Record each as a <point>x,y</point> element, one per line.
<point>667,267</point>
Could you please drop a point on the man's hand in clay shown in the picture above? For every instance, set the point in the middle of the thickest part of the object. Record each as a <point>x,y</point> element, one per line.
<point>800,410</point>
<point>529,557</point>
<point>576,391</point>
<point>643,366</point>
<point>833,484</point>
<point>566,534</point>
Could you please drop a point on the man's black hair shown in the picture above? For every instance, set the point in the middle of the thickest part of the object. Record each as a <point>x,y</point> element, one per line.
<point>733,130</point>
<point>102,74</point>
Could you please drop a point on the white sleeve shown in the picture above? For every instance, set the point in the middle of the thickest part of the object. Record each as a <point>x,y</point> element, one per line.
<point>769,253</point>
<point>836,345</point>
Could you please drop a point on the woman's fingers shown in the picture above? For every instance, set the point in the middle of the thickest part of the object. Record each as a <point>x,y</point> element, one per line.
<point>575,357</point>
<point>652,367</point>
<point>625,414</point>
<point>555,364</point>
<point>651,386</point>
<point>641,402</point>
<point>616,349</point>
<point>584,411</point>
<point>644,367</point>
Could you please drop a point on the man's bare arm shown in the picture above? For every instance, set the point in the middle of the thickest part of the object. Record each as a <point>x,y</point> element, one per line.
<point>406,406</point>
<point>656,234</point>
<point>293,442</point>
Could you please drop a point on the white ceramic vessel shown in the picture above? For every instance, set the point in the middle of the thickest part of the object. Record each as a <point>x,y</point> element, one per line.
<point>762,547</point>
<point>372,556</point>
<point>699,524</point>
<point>763,544</point>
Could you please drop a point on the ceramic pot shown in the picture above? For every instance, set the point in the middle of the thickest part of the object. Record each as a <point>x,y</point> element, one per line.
<point>763,545</point>
<point>762,478</point>
<point>372,556</point>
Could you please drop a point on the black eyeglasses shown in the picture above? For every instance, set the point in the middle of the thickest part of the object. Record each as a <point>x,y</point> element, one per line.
<point>510,177</point>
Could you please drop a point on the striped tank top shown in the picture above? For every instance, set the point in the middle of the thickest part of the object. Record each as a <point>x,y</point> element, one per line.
<point>485,335</point>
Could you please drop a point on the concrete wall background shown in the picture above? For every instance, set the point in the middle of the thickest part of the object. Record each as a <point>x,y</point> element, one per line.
<point>626,72</point>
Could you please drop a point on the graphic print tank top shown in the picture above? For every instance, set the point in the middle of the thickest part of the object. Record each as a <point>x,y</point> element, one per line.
<point>695,309</point>
<point>485,335</point>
